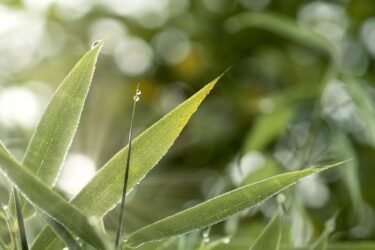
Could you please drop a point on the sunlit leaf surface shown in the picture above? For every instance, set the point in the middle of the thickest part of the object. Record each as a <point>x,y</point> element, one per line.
<point>104,191</point>
<point>47,200</point>
<point>218,208</point>
<point>54,134</point>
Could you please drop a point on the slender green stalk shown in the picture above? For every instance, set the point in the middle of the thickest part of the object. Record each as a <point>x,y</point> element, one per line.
<point>21,224</point>
<point>125,187</point>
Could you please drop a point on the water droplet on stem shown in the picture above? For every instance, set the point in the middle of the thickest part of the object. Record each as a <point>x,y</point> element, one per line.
<point>205,234</point>
<point>94,44</point>
<point>137,94</point>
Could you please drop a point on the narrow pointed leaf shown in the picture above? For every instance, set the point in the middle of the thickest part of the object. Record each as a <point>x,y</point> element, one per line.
<point>218,208</point>
<point>16,199</point>
<point>46,199</point>
<point>268,127</point>
<point>62,232</point>
<point>103,192</point>
<point>270,238</point>
<point>54,134</point>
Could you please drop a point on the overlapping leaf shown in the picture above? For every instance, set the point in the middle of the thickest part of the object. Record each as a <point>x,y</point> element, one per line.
<point>104,190</point>
<point>270,238</point>
<point>54,134</point>
<point>218,208</point>
<point>47,200</point>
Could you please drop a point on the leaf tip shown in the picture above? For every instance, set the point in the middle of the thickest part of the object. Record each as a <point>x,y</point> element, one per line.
<point>212,84</point>
<point>97,45</point>
<point>332,165</point>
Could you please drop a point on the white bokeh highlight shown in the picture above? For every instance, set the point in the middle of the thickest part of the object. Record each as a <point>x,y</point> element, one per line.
<point>77,171</point>
<point>133,56</point>
<point>249,163</point>
<point>19,107</point>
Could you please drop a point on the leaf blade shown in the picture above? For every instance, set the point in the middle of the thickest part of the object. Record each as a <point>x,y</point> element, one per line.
<point>270,237</point>
<point>54,134</point>
<point>104,190</point>
<point>62,232</point>
<point>218,208</point>
<point>45,199</point>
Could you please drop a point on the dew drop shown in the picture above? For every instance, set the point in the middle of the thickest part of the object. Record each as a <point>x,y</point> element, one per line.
<point>136,98</point>
<point>5,207</point>
<point>226,240</point>
<point>205,234</point>
<point>280,198</point>
<point>138,92</point>
<point>94,44</point>
<point>206,240</point>
<point>93,220</point>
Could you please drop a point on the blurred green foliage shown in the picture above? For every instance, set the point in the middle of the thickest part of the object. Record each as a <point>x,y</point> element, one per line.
<point>300,92</point>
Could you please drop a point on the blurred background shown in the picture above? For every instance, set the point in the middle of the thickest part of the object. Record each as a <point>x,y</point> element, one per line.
<point>299,93</point>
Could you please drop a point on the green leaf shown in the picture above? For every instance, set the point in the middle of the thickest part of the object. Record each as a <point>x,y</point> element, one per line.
<point>103,192</point>
<point>7,227</point>
<point>219,208</point>
<point>20,221</point>
<point>267,127</point>
<point>46,199</point>
<point>62,232</point>
<point>54,134</point>
<point>283,26</point>
<point>270,238</point>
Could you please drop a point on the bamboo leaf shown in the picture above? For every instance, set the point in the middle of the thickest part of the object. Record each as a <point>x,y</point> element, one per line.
<point>46,199</point>
<point>62,232</point>
<point>218,208</point>
<point>103,192</point>
<point>283,26</point>
<point>20,221</point>
<point>267,127</point>
<point>54,134</point>
<point>270,237</point>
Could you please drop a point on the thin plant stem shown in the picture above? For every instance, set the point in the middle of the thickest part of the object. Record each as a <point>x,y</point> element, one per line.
<point>125,186</point>
<point>21,225</point>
